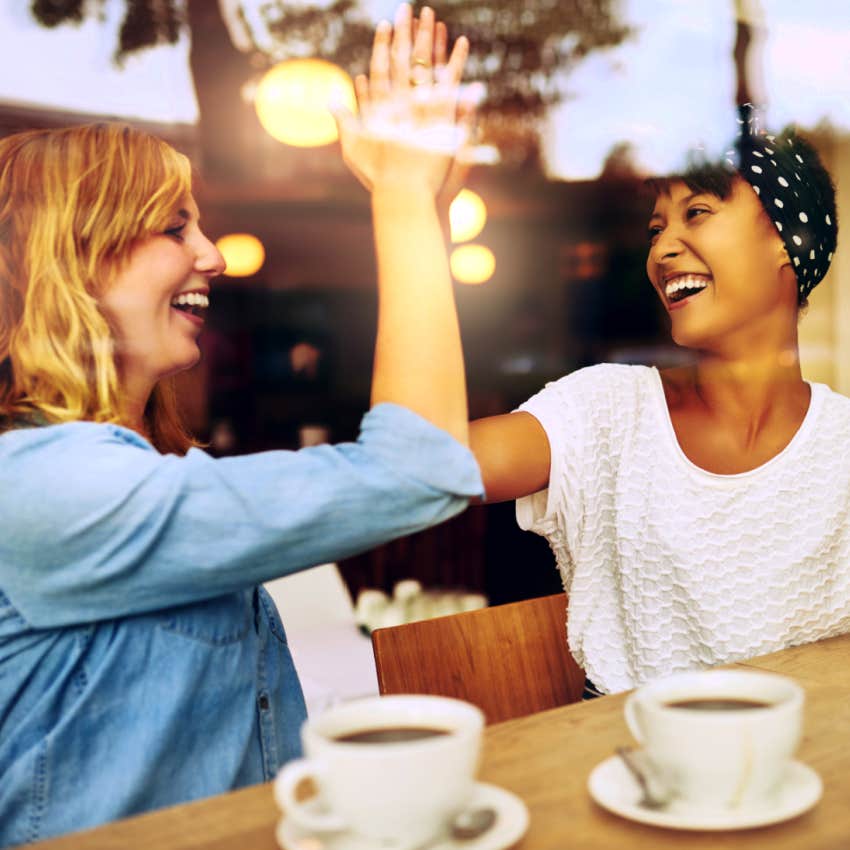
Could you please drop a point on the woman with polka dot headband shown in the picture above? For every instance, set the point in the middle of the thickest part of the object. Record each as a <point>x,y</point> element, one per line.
<point>796,193</point>
<point>701,514</point>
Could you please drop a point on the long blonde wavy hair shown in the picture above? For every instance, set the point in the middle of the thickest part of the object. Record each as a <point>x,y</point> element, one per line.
<point>73,203</point>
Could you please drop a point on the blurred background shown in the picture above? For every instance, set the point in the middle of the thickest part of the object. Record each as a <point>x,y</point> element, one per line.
<point>585,98</point>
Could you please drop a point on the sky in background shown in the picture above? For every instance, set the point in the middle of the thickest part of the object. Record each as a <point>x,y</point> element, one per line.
<point>665,90</point>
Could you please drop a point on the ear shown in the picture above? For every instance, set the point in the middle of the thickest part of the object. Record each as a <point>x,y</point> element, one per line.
<point>782,258</point>
<point>785,270</point>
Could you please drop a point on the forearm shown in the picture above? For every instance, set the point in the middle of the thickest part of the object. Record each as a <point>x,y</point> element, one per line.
<point>418,353</point>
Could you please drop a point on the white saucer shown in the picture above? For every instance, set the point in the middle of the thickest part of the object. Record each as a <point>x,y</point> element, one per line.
<point>614,788</point>
<point>511,824</point>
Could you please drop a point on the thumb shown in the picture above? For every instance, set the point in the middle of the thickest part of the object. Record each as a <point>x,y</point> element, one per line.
<point>341,112</point>
<point>465,156</point>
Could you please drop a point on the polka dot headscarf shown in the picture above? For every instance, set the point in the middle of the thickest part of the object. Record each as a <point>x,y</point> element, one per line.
<point>802,209</point>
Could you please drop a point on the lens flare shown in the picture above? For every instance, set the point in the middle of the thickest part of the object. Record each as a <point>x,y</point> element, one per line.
<point>472,264</point>
<point>243,253</point>
<point>292,101</point>
<point>467,216</point>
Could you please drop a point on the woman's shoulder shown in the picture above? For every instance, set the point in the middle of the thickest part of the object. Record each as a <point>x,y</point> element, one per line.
<point>596,406</point>
<point>834,408</point>
<point>614,374</point>
<point>594,385</point>
<point>26,438</point>
<point>839,401</point>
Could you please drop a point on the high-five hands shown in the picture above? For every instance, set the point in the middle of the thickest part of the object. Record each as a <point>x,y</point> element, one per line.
<point>415,120</point>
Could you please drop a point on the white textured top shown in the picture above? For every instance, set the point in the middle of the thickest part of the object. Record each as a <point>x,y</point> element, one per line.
<point>669,567</point>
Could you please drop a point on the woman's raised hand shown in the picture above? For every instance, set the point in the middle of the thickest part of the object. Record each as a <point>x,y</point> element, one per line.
<point>414,121</point>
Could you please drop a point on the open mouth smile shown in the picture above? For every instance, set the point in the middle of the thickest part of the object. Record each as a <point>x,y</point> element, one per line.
<point>684,286</point>
<point>193,305</point>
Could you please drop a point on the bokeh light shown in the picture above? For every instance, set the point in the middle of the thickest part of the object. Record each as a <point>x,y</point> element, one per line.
<point>243,253</point>
<point>467,216</point>
<point>472,264</point>
<point>292,101</point>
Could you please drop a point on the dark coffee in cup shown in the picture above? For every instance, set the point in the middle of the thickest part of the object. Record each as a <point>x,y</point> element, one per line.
<point>720,739</point>
<point>391,770</point>
<point>717,704</point>
<point>389,735</point>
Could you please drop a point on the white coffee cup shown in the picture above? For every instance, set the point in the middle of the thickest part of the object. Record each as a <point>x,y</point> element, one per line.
<point>718,739</point>
<point>403,792</point>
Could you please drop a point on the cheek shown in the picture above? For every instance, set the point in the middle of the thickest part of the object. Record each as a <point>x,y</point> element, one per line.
<point>115,312</point>
<point>649,268</point>
<point>762,259</point>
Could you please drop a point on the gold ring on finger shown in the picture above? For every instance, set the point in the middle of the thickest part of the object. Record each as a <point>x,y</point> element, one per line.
<point>420,73</point>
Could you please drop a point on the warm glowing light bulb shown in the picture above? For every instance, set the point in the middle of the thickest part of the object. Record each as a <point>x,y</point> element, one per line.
<point>292,101</point>
<point>472,264</point>
<point>243,253</point>
<point>467,215</point>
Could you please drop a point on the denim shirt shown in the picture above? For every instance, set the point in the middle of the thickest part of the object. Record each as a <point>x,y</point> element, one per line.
<point>140,663</point>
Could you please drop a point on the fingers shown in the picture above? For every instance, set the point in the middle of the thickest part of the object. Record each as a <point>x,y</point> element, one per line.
<point>422,59</point>
<point>344,125</point>
<point>379,65</point>
<point>441,42</point>
<point>361,90</point>
<point>457,61</point>
<point>411,52</point>
<point>401,46</point>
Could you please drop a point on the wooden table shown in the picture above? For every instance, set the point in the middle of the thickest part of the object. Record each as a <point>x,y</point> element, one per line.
<point>546,759</point>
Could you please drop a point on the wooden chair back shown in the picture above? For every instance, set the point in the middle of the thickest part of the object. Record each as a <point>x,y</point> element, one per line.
<point>510,660</point>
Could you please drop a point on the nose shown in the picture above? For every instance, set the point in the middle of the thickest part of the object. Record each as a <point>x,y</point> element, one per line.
<point>209,260</point>
<point>667,246</point>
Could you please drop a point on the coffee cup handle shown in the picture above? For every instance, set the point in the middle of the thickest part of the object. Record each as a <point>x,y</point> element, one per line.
<point>286,783</point>
<point>631,712</point>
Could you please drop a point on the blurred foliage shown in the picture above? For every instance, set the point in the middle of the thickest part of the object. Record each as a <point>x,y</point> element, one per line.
<point>146,23</point>
<point>52,13</point>
<point>340,32</point>
<point>522,51</point>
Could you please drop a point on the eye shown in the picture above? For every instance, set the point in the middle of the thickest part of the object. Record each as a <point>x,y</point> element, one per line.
<point>695,212</point>
<point>653,232</point>
<point>176,232</point>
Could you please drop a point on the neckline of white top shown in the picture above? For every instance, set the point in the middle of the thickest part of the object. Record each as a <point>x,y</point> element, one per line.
<point>815,402</point>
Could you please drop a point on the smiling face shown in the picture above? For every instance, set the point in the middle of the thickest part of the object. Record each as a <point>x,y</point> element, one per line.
<point>720,268</point>
<point>156,302</point>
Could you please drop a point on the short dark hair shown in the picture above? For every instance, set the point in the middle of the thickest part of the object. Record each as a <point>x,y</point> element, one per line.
<point>817,174</point>
<point>715,177</point>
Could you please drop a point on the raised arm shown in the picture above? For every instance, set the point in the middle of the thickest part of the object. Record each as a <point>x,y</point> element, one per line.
<point>513,454</point>
<point>402,146</point>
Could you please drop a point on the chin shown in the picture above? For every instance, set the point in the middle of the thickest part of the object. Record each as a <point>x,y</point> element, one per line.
<point>184,364</point>
<point>697,345</point>
<point>691,335</point>
<point>680,332</point>
<point>683,339</point>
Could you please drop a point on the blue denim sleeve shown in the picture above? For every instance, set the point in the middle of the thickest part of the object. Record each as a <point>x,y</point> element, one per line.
<point>95,524</point>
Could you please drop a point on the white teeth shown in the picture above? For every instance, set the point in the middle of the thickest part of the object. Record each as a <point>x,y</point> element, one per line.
<point>193,299</point>
<point>687,281</point>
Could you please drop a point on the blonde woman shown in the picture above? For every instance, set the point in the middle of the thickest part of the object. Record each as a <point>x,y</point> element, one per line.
<point>140,663</point>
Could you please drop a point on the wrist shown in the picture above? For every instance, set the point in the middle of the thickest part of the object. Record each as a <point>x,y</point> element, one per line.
<point>402,186</point>
<point>403,198</point>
